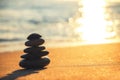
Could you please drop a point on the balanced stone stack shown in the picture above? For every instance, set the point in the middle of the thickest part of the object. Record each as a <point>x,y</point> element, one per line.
<point>35,55</point>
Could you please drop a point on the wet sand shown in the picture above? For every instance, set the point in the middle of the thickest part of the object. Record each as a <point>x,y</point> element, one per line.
<point>86,62</point>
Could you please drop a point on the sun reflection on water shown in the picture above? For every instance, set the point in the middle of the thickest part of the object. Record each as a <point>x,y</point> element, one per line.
<point>91,22</point>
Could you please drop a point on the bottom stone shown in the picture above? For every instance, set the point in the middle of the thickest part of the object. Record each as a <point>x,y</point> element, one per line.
<point>33,64</point>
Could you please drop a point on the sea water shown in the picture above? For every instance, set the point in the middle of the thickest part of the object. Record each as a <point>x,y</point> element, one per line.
<point>51,19</point>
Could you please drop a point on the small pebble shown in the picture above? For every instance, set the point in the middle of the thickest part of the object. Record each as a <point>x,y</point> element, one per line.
<point>34,49</point>
<point>36,42</point>
<point>29,56</point>
<point>33,36</point>
<point>35,55</point>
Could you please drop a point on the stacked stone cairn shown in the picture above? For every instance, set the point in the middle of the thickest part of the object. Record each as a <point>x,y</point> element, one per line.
<point>35,55</point>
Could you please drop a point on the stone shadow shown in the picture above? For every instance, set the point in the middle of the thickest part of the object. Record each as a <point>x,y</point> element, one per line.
<point>19,73</point>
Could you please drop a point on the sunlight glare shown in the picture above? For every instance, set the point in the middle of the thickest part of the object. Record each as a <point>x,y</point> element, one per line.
<point>93,23</point>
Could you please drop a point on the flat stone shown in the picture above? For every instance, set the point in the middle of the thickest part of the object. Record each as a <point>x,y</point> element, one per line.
<point>29,56</point>
<point>33,36</point>
<point>34,49</point>
<point>40,53</point>
<point>36,42</point>
<point>33,64</point>
<point>36,55</point>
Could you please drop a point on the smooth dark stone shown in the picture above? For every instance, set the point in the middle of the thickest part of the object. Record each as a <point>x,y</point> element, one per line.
<point>34,42</point>
<point>40,53</point>
<point>34,49</point>
<point>33,36</point>
<point>30,56</point>
<point>33,64</point>
<point>36,55</point>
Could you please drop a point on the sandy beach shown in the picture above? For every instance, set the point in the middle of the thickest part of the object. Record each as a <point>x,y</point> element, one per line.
<point>86,62</point>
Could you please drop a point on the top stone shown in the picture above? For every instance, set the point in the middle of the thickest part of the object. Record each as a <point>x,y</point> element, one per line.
<point>33,36</point>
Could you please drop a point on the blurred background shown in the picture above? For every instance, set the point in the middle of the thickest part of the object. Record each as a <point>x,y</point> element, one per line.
<point>60,22</point>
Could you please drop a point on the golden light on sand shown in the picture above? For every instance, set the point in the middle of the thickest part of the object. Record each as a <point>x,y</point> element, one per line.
<point>93,25</point>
